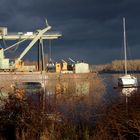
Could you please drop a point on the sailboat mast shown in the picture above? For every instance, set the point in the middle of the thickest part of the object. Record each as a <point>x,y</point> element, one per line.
<point>125,56</point>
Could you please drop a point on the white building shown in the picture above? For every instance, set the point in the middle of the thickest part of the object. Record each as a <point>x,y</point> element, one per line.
<point>82,68</point>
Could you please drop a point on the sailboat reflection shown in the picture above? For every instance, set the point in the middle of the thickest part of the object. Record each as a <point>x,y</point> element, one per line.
<point>129,91</point>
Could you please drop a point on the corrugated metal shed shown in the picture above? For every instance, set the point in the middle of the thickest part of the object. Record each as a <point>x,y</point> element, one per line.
<point>3,30</point>
<point>4,63</point>
<point>1,53</point>
<point>81,68</point>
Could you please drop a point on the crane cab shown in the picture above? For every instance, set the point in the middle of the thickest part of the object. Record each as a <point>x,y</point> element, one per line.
<point>19,64</point>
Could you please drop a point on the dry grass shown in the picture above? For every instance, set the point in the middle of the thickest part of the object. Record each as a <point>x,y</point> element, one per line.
<point>69,116</point>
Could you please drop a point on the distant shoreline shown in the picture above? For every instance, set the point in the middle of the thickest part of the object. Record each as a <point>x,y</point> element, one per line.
<point>118,72</point>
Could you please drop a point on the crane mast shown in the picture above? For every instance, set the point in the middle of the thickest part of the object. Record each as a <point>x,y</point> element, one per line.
<point>38,36</point>
<point>40,33</point>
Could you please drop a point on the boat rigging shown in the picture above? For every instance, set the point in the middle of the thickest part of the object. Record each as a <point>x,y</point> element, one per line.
<point>127,80</point>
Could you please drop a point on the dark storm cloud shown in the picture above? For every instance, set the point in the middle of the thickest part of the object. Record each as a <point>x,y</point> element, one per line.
<point>89,27</point>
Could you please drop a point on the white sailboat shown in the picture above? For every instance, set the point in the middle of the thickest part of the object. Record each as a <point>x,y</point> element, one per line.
<point>127,80</point>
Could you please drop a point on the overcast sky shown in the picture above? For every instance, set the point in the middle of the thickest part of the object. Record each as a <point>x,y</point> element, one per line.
<point>92,29</point>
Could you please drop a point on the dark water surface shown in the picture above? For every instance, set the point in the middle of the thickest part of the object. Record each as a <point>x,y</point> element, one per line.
<point>72,109</point>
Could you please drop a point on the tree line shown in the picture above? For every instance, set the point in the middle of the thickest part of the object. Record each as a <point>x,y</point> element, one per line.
<point>117,65</point>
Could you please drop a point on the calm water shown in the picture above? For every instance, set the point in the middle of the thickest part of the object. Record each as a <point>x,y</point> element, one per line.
<point>114,94</point>
<point>93,103</point>
<point>82,99</point>
<point>80,93</point>
<point>96,90</point>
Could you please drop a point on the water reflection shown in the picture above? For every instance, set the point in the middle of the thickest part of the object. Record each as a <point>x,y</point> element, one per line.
<point>81,103</point>
<point>76,100</point>
<point>92,90</point>
<point>82,88</point>
<point>129,91</point>
<point>77,88</point>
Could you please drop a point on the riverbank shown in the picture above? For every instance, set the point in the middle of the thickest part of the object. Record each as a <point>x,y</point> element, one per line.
<point>45,75</point>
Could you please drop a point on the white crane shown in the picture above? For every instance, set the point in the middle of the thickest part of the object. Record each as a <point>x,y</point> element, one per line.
<point>63,61</point>
<point>39,35</point>
<point>71,60</point>
<point>17,43</point>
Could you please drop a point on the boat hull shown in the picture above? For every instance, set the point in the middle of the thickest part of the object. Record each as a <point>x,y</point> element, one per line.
<point>127,81</point>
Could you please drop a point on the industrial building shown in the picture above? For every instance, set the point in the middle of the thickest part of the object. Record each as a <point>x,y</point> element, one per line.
<point>38,37</point>
<point>82,68</point>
